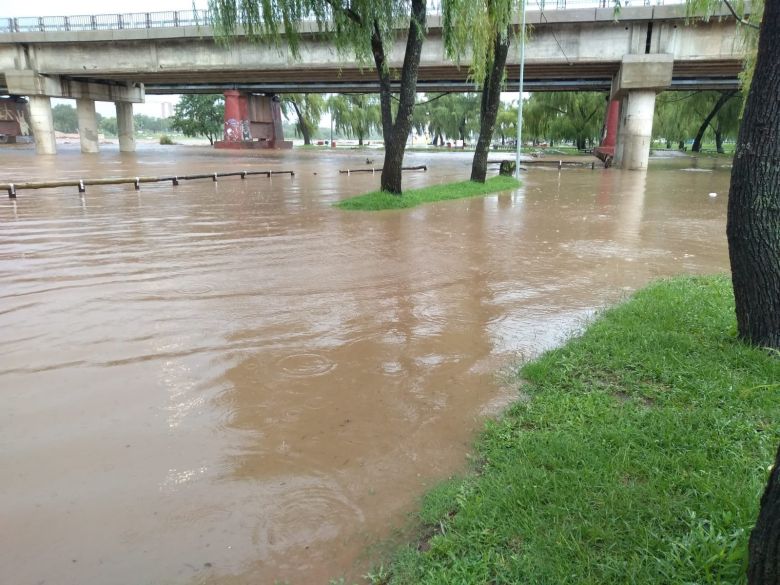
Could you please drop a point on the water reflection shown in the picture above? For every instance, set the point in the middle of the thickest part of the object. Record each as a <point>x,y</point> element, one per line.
<point>253,385</point>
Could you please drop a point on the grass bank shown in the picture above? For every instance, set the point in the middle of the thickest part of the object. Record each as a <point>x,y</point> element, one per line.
<point>379,200</point>
<point>639,456</point>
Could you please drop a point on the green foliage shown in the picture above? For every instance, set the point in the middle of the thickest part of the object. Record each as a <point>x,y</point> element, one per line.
<point>638,456</point>
<point>750,14</point>
<point>307,108</point>
<point>506,122</point>
<point>268,20</point>
<point>166,140</point>
<point>472,26</point>
<point>65,118</point>
<point>108,126</point>
<point>150,124</point>
<point>576,116</point>
<point>454,116</point>
<point>355,115</point>
<point>199,115</point>
<point>380,200</point>
<point>678,116</point>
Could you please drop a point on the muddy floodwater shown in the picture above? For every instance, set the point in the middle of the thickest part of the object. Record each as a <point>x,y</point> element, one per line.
<point>235,382</point>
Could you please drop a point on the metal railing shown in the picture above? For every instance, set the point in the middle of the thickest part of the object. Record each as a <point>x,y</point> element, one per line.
<point>178,18</point>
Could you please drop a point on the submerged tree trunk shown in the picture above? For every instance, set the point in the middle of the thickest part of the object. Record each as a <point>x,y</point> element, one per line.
<point>753,224</point>
<point>724,97</point>
<point>488,112</point>
<point>764,561</point>
<point>396,133</point>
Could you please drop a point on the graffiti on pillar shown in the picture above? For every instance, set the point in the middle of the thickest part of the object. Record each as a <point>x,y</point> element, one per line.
<point>6,114</point>
<point>245,131</point>
<point>233,131</point>
<point>14,120</point>
<point>24,126</point>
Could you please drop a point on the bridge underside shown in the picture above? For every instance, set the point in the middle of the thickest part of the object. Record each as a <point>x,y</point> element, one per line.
<point>580,76</point>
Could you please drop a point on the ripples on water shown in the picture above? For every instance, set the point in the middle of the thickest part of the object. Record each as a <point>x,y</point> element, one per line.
<point>234,382</point>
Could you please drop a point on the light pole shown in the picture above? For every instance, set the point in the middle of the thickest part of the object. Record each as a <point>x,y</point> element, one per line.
<point>521,46</point>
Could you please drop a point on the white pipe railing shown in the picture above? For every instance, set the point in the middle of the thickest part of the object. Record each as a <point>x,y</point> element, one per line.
<point>179,18</point>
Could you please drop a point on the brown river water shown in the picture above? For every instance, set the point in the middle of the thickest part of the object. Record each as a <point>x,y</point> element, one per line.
<point>237,383</point>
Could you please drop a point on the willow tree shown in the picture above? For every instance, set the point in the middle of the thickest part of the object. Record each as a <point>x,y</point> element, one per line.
<point>360,29</point>
<point>356,115</point>
<point>484,28</point>
<point>308,109</point>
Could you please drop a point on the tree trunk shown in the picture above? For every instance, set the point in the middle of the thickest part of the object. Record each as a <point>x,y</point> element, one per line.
<point>764,561</point>
<point>681,145</point>
<point>719,141</point>
<point>668,144</point>
<point>360,140</point>
<point>753,224</point>
<point>302,126</point>
<point>488,111</point>
<point>396,133</point>
<point>724,97</point>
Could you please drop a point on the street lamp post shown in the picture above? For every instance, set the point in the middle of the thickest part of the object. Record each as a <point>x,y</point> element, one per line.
<point>521,46</point>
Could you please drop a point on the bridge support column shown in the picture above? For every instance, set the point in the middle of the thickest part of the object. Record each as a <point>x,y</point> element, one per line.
<point>125,126</point>
<point>42,124</point>
<point>88,130</point>
<point>39,88</point>
<point>635,132</point>
<point>606,150</point>
<point>252,121</point>
<point>639,79</point>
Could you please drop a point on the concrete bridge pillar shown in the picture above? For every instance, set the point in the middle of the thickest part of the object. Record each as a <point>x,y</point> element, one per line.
<point>88,128</point>
<point>635,131</point>
<point>606,149</point>
<point>40,88</point>
<point>125,126</point>
<point>639,79</point>
<point>42,124</point>
<point>252,121</point>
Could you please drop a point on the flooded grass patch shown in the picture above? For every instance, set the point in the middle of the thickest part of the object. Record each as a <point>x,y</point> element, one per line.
<point>380,200</point>
<point>640,457</point>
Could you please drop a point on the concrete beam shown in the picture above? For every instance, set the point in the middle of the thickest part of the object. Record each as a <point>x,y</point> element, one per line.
<point>88,130</point>
<point>643,72</point>
<point>30,83</point>
<point>42,124</point>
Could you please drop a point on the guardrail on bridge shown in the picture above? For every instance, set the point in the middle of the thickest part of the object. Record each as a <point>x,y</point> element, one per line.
<point>177,18</point>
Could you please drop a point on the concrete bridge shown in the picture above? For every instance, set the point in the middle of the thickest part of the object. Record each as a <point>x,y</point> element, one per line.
<point>121,57</point>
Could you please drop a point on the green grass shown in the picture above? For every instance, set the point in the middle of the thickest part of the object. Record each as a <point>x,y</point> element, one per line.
<point>380,200</point>
<point>639,456</point>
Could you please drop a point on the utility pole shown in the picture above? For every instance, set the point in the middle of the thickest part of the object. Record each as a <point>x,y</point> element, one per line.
<point>521,46</point>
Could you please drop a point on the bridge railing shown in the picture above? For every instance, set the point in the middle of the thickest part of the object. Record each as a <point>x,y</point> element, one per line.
<point>177,18</point>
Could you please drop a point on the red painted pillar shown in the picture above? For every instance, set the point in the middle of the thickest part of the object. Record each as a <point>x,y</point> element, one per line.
<point>232,131</point>
<point>611,126</point>
<point>606,150</point>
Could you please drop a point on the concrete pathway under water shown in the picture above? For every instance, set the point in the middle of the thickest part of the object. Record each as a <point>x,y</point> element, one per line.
<point>234,382</point>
